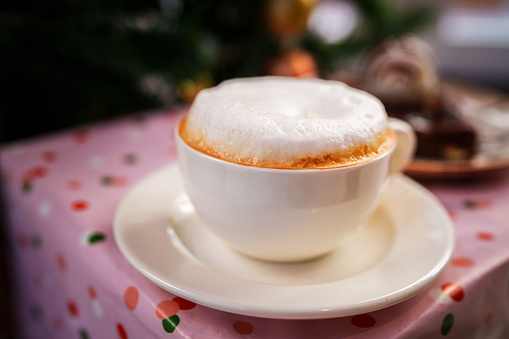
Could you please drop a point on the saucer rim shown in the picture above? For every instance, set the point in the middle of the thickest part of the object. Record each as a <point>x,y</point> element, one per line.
<point>285,312</point>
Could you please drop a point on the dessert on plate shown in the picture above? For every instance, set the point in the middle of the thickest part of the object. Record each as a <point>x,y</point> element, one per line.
<point>403,74</point>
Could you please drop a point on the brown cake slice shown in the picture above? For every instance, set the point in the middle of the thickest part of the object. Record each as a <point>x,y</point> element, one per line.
<point>441,132</point>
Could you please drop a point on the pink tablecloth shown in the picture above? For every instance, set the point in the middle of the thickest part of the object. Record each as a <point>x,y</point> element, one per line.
<point>61,192</point>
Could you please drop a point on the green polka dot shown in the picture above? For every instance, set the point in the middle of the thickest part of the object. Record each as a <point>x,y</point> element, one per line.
<point>171,323</point>
<point>469,204</point>
<point>447,324</point>
<point>90,238</point>
<point>36,312</point>
<point>96,237</point>
<point>130,159</point>
<point>84,334</point>
<point>106,180</point>
<point>36,241</point>
<point>27,186</point>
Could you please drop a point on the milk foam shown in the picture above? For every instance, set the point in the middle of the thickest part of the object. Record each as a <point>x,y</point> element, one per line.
<point>286,122</point>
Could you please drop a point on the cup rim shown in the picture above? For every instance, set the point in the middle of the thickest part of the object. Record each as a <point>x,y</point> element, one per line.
<point>274,169</point>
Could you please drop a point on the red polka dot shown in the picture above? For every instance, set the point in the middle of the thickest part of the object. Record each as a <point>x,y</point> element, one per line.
<point>168,114</point>
<point>119,181</point>
<point>72,308</point>
<point>35,172</point>
<point>80,136</point>
<point>488,318</point>
<point>452,214</point>
<point>454,291</point>
<point>363,321</point>
<point>91,292</point>
<point>184,304</point>
<point>80,205</point>
<point>486,236</point>
<point>166,309</point>
<point>57,323</point>
<point>462,262</point>
<point>483,203</point>
<point>39,172</point>
<point>74,184</point>
<point>131,296</point>
<point>49,156</point>
<point>38,279</point>
<point>23,241</point>
<point>121,331</point>
<point>243,327</point>
<point>61,262</point>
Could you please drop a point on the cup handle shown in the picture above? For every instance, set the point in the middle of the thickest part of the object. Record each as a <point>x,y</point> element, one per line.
<point>406,144</point>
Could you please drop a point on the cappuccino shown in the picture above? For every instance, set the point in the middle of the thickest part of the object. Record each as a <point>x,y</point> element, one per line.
<point>287,123</point>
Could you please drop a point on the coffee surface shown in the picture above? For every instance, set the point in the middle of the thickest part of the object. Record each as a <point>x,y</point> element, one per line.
<point>279,122</point>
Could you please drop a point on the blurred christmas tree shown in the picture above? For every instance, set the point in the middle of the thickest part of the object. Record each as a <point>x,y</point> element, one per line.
<point>64,63</point>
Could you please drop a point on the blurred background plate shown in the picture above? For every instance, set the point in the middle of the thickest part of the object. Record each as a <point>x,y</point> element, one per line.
<point>488,111</point>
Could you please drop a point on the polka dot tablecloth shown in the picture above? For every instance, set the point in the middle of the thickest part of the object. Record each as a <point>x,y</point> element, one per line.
<point>60,194</point>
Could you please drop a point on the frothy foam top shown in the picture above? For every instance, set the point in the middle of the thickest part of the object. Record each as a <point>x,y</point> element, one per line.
<point>286,122</point>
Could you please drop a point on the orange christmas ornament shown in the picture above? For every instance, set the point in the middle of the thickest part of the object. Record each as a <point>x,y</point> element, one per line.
<point>294,63</point>
<point>286,18</point>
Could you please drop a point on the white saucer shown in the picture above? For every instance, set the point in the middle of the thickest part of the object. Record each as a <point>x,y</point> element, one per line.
<point>402,249</point>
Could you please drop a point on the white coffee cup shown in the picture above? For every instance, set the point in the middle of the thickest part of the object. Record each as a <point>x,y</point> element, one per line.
<point>286,214</point>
